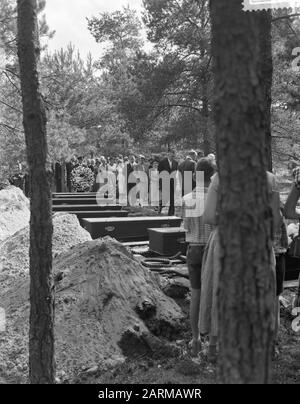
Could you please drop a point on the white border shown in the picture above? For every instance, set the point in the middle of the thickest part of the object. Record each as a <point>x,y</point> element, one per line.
<point>255,5</point>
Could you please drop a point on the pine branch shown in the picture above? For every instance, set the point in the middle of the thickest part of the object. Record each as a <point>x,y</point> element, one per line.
<point>11,107</point>
<point>284,17</point>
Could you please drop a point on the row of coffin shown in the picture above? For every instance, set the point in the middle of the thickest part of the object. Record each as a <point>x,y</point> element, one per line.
<point>164,233</point>
<point>107,219</point>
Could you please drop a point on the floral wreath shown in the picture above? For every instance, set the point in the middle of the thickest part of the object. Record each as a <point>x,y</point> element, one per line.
<point>82,179</point>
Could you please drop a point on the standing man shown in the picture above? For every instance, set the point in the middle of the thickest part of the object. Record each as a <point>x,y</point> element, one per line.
<point>58,176</point>
<point>170,165</point>
<point>130,169</point>
<point>70,166</point>
<point>188,166</point>
<point>197,236</point>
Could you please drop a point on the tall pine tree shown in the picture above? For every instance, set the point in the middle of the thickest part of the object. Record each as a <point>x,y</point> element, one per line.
<point>246,287</point>
<point>41,333</point>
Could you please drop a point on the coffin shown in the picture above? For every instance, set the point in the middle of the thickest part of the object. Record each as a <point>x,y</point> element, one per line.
<point>99,214</point>
<point>166,241</point>
<point>76,201</point>
<point>74,195</point>
<point>85,207</point>
<point>128,229</point>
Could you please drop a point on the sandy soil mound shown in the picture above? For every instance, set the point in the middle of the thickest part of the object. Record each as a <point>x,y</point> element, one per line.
<point>107,307</point>
<point>14,251</point>
<point>14,211</point>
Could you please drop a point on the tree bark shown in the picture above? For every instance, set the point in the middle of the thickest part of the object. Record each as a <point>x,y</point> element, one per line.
<point>246,288</point>
<point>205,116</point>
<point>41,335</point>
<point>205,78</point>
<point>265,40</point>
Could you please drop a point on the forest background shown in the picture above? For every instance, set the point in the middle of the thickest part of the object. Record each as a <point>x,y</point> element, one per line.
<point>133,100</point>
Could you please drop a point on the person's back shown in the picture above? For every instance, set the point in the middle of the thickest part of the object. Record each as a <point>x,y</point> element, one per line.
<point>197,231</point>
<point>186,170</point>
<point>197,236</point>
<point>212,263</point>
<point>188,166</point>
<point>210,213</point>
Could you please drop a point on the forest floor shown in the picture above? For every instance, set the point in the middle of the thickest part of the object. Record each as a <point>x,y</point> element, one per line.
<point>186,370</point>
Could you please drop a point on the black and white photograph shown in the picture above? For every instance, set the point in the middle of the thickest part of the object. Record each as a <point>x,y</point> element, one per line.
<point>149,195</point>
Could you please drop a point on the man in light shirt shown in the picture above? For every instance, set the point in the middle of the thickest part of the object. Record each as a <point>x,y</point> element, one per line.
<point>197,235</point>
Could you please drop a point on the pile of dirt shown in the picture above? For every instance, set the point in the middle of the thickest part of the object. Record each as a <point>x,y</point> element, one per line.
<point>14,211</point>
<point>108,307</point>
<point>14,251</point>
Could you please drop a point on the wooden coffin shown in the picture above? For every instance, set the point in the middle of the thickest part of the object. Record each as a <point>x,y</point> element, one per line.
<point>127,229</point>
<point>166,241</point>
<point>74,195</point>
<point>85,207</point>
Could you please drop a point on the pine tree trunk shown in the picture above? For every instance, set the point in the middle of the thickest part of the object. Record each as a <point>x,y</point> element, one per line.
<point>205,117</point>
<point>205,93</point>
<point>246,289</point>
<point>41,336</point>
<point>265,39</point>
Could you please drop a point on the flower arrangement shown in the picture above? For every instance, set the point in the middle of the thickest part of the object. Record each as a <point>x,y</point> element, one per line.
<point>82,179</point>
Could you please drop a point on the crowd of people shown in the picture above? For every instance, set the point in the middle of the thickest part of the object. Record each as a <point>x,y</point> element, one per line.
<point>116,168</point>
<point>203,256</point>
<point>123,173</point>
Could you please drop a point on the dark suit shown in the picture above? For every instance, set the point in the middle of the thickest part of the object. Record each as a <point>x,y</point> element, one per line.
<point>69,168</point>
<point>58,176</point>
<point>130,170</point>
<point>164,165</point>
<point>187,166</point>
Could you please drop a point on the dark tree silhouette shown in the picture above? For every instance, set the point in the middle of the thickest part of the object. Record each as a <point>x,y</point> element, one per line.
<point>41,335</point>
<point>265,42</point>
<point>246,291</point>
